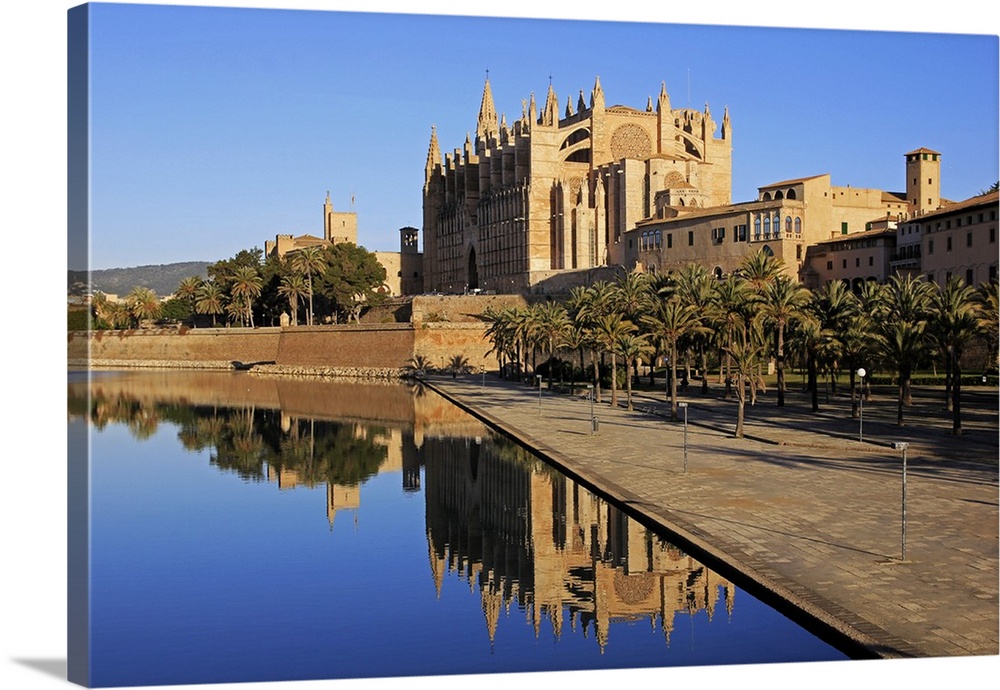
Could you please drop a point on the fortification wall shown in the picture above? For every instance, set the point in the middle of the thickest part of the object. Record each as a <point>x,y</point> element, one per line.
<point>185,345</point>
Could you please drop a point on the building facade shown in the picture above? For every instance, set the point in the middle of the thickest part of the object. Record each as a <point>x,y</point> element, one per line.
<point>786,218</point>
<point>525,202</point>
<point>960,240</point>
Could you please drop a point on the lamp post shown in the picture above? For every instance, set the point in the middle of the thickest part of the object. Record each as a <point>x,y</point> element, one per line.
<point>593,419</point>
<point>538,377</point>
<point>666,379</point>
<point>861,412</point>
<point>684,406</point>
<point>903,447</point>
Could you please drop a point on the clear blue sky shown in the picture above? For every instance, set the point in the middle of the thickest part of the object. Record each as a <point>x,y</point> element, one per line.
<point>216,128</point>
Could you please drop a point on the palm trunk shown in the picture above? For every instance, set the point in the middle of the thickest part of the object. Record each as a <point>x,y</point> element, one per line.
<point>704,369</point>
<point>956,392</point>
<point>813,384</point>
<point>628,388</point>
<point>673,382</point>
<point>779,363</point>
<point>597,376</point>
<point>614,380</point>
<point>740,406</point>
<point>948,380</point>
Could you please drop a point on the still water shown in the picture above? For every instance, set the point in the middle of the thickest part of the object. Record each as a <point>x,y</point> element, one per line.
<point>255,529</point>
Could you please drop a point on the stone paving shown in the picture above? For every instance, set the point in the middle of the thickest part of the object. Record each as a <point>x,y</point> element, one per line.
<point>800,512</point>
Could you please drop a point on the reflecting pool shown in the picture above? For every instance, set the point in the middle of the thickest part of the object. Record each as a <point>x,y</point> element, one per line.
<point>247,528</point>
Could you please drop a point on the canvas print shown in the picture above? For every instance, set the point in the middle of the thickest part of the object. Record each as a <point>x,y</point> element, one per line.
<point>409,345</point>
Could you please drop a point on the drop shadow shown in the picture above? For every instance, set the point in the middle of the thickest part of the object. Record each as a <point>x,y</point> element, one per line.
<point>56,668</point>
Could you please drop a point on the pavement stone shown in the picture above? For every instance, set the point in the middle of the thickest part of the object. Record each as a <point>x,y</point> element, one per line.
<point>801,512</point>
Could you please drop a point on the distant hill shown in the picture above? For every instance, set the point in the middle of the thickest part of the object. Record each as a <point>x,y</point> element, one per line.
<point>162,279</point>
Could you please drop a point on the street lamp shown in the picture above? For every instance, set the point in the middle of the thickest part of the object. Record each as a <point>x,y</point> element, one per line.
<point>684,406</point>
<point>593,419</point>
<point>903,446</point>
<point>861,413</point>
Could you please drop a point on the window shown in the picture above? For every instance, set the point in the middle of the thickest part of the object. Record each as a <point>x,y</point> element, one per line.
<point>767,227</point>
<point>843,228</point>
<point>756,228</point>
<point>968,276</point>
<point>968,239</point>
<point>798,252</point>
<point>788,223</point>
<point>658,238</point>
<point>993,235</point>
<point>857,262</point>
<point>798,225</point>
<point>930,246</point>
<point>670,240</point>
<point>947,246</point>
<point>690,238</point>
<point>829,265</point>
<point>871,260</point>
<point>845,263</point>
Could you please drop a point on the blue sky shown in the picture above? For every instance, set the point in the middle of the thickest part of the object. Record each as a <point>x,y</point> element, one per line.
<point>213,129</point>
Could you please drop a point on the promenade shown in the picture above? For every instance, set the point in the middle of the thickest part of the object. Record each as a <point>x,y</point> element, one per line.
<point>800,512</point>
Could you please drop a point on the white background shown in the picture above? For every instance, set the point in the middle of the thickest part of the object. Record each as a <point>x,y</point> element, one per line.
<point>33,208</point>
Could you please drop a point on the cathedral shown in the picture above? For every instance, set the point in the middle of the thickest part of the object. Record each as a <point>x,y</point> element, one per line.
<point>523,203</point>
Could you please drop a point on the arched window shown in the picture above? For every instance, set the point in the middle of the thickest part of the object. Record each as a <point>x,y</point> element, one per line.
<point>718,273</point>
<point>767,251</point>
<point>777,223</point>
<point>658,239</point>
<point>766,196</point>
<point>642,241</point>
<point>767,227</point>
<point>778,195</point>
<point>798,225</point>
<point>790,194</point>
<point>788,223</point>
<point>756,228</point>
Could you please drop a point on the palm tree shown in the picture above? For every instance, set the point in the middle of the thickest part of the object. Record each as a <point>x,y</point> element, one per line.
<point>632,347</point>
<point>576,340</point>
<point>729,315</point>
<point>608,330</point>
<point>953,325</point>
<point>143,305</point>
<point>293,286</point>
<point>553,323</point>
<point>246,287</point>
<point>782,303</point>
<point>834,305</point>
<point>187,290</point>
<point>210,300</point>
<point>588,306</point>
<point>670,321</point>
<point>987,298</point>
<point>746,350</point>
<point>902,324</point>
<point>309,260</point>
<point>694,285</point>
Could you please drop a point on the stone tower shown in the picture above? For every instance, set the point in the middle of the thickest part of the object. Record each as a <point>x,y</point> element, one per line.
<point>923,181</point>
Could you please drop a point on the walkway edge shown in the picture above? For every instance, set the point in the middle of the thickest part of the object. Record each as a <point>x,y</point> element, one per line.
<point>845,630</point>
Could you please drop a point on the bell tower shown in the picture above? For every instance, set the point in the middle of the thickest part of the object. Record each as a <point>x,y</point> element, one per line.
<point>923,181</point>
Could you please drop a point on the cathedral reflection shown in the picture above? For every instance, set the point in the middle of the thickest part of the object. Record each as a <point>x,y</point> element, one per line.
<point>526,535</point>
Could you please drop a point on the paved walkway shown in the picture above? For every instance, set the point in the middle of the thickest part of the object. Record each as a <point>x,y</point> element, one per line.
<point>800,511</point>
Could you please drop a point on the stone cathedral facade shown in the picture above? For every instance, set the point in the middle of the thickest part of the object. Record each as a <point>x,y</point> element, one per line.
<point>522,203</point>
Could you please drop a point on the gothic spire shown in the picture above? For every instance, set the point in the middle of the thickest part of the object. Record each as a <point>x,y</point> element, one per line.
<point>663,101</point>
<point>433,155</point>
<point>486,128</point>
<point>597,95</point>
<point>550,112</point>
<point>581,104</point>
<point>569,107</point>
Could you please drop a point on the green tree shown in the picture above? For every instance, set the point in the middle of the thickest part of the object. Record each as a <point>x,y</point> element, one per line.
<point>901,339</point>
<point>608,330</point>
<point>782,302</point>
<point>351,279</point>
<point>245,288</point>
<point>210,300</point>
<point>553,323</point>
<point>669,321</point>
<point>293,287</point>
<point>953,325</point>
<point>310,261</point>
<point>143,305</point>
<point>746,349</point>
<point>632,347</point>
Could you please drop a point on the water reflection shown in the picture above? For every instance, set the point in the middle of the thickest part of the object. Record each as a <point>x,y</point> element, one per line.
<point>509,529</point>
<point>525,534</point>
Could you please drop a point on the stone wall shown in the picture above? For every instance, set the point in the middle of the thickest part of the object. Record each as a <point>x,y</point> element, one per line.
<point>180,345</point>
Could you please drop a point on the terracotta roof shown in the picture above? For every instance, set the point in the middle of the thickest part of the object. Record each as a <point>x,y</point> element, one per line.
<point>923,150</point>
<point>788,182</point>
<point>981,200</point>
